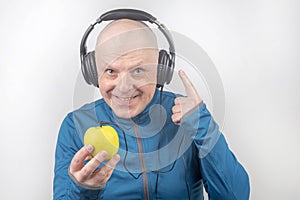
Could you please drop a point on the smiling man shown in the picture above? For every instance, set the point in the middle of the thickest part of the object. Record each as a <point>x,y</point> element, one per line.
<point>127,72</point>
<point>172,153</point>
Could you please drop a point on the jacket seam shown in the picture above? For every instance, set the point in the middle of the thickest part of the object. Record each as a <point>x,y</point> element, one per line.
<point>223,177</point>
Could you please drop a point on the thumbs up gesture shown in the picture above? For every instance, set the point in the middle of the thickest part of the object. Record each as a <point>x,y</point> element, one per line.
<point>187,104</point>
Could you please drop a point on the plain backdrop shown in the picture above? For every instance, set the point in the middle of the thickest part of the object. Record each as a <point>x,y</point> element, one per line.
<point>255,46</point>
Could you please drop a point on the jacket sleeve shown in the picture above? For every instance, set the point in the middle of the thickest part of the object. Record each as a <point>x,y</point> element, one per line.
<point>68,143</point>
<point>223,176</point>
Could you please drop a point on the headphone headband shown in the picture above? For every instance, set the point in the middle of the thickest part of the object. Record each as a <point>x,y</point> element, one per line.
<point>138,15</point>
<point>126,14</point>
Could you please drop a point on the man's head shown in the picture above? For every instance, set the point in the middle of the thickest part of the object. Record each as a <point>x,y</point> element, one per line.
<point>126,58</point>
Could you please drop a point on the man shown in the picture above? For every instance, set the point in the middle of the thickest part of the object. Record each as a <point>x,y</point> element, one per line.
<point>189,151</point>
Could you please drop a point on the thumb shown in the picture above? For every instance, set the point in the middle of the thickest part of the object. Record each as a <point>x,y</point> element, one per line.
<point>188,85</point>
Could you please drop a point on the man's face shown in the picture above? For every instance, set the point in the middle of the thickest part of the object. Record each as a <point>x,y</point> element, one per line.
<point>128,83</point>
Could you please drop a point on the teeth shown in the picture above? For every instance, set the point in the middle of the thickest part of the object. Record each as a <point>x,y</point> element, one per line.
<point>125,99</point>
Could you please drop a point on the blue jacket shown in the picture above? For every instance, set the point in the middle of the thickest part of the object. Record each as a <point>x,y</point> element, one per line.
<point>177,161</point>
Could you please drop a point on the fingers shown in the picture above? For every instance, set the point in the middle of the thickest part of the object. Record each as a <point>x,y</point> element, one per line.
<point>78,159</point>
<point>91,166</point>
<point>177,109</point>
<point>106,171</point>
<point>111,164</point>
<point>176,118</point>
<point>87,175</point>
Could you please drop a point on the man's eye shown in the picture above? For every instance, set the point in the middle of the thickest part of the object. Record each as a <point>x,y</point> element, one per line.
<point>138,70</point>
<point>109,71</point>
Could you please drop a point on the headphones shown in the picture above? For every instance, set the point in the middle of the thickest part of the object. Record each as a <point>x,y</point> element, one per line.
<point>166,61</point>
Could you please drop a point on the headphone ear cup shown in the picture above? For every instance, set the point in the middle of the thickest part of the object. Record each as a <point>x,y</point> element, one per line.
<point>162,67</point>
<point>170,70</point>
<point>89,69</point>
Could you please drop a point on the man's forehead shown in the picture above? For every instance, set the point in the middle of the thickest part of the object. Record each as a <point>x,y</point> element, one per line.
<point>146,58</point>
<point>123,43</point>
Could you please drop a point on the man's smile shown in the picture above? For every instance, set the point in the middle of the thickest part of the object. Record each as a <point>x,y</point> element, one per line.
<point>124,100</point>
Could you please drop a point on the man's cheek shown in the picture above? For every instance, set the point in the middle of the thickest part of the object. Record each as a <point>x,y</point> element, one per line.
<point>106,84</point>
<point>145,83</point>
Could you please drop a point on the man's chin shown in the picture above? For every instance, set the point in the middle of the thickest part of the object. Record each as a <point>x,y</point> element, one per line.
<point>125,114</point>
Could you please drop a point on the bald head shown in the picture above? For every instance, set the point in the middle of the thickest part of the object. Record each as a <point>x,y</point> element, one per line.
<point>127,27</point>
<point>121,37</point>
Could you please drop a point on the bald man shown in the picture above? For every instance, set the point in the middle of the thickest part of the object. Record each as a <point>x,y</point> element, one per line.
<point>126,57</point>
<point>171,145</point>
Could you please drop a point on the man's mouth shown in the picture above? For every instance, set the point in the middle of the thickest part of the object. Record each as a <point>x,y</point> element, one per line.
<point>124,100</point>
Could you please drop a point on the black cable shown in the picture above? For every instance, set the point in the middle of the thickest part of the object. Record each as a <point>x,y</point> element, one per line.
<point>158,145</point>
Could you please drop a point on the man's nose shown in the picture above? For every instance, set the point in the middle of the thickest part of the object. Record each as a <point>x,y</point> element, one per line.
<point>125,83</point>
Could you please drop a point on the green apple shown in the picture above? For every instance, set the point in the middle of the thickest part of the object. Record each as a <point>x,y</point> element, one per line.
<point>102,138</point>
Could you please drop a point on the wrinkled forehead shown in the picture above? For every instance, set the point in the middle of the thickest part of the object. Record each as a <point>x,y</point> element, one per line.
<point>115,44</point>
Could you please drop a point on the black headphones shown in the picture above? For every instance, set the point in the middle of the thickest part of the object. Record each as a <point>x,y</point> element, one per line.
<point>166,61</point>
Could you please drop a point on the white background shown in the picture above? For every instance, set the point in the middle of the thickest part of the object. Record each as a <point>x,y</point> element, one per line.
<point>253,44</point>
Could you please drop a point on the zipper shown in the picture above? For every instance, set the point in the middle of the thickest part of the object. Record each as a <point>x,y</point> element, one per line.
<point>142,162</point>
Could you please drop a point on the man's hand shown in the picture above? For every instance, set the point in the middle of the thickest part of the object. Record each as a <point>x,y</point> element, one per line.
<point>185,105</point>
<point>87,176</point>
